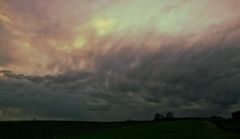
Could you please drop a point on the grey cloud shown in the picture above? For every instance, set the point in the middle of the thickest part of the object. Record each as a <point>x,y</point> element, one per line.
<point>203,83</point>
<point>202,80</point>
<point>5,36</point>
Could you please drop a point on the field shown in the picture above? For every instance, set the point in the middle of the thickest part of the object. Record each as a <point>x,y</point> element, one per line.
<point>228,125</point>
<point>178,129</point>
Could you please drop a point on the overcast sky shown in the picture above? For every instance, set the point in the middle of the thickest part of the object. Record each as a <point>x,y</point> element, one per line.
<point>118,59</point>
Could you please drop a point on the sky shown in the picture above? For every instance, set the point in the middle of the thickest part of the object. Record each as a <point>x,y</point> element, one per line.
<point>110,60</point>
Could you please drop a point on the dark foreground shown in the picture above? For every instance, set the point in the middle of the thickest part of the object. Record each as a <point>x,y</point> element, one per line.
<point>173,129</point>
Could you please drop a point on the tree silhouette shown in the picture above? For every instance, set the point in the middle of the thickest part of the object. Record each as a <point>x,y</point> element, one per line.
<point>158,117</point>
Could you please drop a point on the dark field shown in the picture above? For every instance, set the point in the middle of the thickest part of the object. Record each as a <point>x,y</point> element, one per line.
<point>54,129</point>
<point>177,129</point>
<point>228,125</point>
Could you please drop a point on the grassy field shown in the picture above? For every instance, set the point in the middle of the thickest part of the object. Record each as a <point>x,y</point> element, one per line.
<point>228,125</point>
<point>54,129</point>
<point>165,129</point>
<point>189,129</point>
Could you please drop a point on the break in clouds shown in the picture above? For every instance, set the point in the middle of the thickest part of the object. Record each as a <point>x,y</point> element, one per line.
<point>114,60</point>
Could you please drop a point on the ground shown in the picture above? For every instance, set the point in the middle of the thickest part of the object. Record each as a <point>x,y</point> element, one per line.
<point>166,129</point>
<point>198,129</point>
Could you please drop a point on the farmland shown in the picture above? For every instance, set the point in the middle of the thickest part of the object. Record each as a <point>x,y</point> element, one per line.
<point>176,129</point>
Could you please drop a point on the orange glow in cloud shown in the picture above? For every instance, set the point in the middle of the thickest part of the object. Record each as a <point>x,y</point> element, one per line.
<point>103,25</point>
<point>79,42</point>
<point>43,37</point>
<point>4,18</point>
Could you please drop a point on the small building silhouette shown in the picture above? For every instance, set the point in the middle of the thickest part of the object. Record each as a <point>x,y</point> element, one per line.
<point>236,115</point>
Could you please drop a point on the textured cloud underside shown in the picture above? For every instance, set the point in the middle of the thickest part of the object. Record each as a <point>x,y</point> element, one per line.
<point>89,60</point>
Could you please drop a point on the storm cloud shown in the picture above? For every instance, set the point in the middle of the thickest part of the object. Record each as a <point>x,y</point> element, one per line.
<point>57,66</point>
